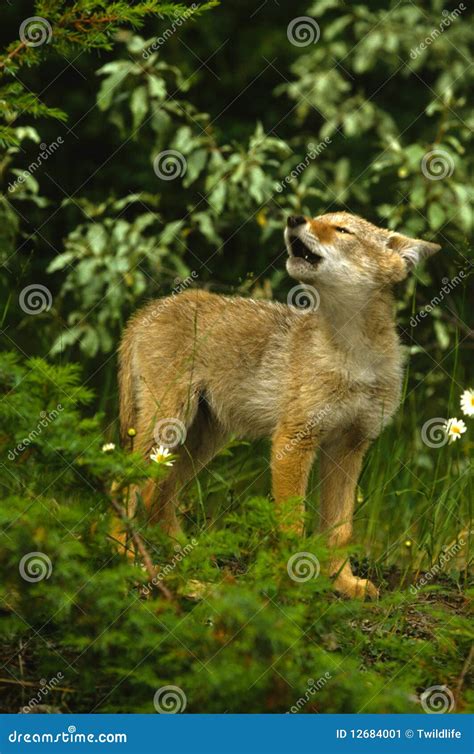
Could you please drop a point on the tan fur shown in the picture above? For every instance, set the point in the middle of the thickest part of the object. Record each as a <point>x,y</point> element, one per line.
<point>328,379</point>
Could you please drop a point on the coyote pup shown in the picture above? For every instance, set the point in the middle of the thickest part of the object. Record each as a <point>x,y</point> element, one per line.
<point>198,367</point>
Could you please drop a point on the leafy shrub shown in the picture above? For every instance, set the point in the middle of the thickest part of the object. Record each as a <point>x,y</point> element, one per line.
<point>236,633</point>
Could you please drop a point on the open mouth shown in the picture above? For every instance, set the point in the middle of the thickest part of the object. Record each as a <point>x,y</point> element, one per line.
<point>300,250</point>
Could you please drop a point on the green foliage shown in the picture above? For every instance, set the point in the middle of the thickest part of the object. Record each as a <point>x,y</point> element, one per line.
<point>47,439</point>
<point>246,186</point>
<point>237,634</point>
<point>109,262</point>
<point>113,262</point>
<point>395,140</point>
<point>16,101</point>
<point>67,27</point>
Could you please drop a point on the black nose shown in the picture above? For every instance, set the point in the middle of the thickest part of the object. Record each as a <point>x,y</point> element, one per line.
<point>295,220</point>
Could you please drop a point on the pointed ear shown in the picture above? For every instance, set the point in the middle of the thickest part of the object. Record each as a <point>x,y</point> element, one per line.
<point>412,250</point>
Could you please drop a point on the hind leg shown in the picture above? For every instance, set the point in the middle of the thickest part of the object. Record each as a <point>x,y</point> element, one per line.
<point>204,439</point>
<point>183,422</point>
<point>165,422</point>
<point>161,419</point>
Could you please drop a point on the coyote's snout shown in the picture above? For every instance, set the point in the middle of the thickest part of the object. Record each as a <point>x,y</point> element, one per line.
<point>326,379</point>
<point>342,249</point>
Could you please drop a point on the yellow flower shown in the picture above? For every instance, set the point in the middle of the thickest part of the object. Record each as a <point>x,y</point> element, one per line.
<point>454,428</point>
<point>467,402</point>
<point>131,432</point>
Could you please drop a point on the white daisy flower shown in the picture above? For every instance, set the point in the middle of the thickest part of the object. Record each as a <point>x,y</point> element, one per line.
<point>467,402</point>
<point>160,455</point>
<point>454,428</point>
<point>108,447</point>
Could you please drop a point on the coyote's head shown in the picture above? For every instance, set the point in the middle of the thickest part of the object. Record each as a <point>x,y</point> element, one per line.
<point>343,250</point>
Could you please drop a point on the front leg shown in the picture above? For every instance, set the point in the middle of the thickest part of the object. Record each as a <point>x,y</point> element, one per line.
<point>341,462</point>
<point>293,451</point>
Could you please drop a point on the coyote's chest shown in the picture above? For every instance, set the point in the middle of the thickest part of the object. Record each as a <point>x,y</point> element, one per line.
<point>317,396</point>
<point>365,392</point>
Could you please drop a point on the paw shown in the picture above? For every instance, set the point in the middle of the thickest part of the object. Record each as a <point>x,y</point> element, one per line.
<point>355,588</point>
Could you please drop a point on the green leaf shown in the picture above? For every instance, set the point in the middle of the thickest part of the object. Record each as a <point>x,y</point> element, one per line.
<point>436,216</point>
<point>139,106</point>
<point>217,197</point>
<point>196,164</point>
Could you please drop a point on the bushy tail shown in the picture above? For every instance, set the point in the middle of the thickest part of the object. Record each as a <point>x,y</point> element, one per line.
<point>126,386</point>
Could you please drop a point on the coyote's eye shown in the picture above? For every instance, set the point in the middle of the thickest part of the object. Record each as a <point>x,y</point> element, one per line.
<point>342,230</point>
